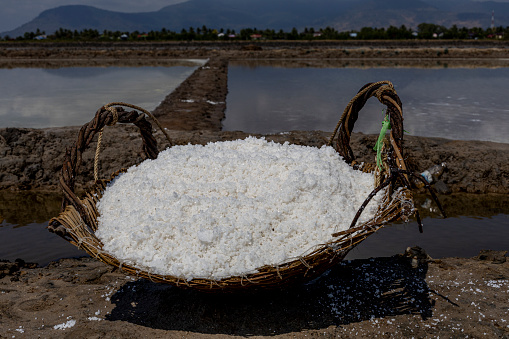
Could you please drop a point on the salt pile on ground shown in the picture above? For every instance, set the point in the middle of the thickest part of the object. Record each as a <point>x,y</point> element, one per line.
<point>226,208</point>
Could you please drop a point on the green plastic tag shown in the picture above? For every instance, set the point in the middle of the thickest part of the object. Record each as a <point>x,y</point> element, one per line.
<point>386,125</point>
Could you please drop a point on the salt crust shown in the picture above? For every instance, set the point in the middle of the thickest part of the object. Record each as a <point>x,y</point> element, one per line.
<point>227,208</point>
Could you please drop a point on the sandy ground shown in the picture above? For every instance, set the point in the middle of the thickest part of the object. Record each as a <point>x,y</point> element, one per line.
<point>380,297</point>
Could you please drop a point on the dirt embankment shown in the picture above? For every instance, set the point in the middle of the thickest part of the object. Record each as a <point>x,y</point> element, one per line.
<point>31,159</point>
<point>199,102</point>
<point>404,53</point>
<point>386,297</point>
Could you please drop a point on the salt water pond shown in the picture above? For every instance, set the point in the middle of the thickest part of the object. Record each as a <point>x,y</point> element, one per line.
<point>453,103</point>
<point>70,96</point>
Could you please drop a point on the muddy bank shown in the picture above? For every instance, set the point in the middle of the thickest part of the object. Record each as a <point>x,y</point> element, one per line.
<point>374,62</point>
<point>83,298</point>
<point>199,102</point>
<point>405,53</point>
<point>84,62</point>
<point>32,158</point>
<point>270,44</point>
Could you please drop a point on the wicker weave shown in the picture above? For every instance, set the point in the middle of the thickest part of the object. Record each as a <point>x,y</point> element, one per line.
<point>77,223</point>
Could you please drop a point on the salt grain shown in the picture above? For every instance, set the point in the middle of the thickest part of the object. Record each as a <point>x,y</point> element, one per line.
<point>65,325</point>
<point>227,208</point>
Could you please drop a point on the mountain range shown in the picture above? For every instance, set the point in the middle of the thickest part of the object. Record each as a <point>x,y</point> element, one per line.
<point>342,15</point>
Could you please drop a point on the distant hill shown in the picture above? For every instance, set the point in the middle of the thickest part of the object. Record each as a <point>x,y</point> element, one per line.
<point>342,15</point>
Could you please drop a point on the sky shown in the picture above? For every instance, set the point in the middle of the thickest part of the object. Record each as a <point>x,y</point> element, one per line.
<point>15,13</point>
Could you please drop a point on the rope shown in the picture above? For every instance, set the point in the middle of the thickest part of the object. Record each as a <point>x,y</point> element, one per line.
<point>381,170</point>
<point>97,150</point>
<point>378,176</point>
<point>144,111</point>
<point>378,93</point>
<point>109,107</point>
<point>399,158</point>
<point>114,112</point>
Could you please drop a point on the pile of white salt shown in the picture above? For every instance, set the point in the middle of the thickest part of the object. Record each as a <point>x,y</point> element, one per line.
<point>227,208</point>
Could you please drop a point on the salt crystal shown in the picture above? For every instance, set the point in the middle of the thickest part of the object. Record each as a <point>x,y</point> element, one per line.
<point>65,325</point>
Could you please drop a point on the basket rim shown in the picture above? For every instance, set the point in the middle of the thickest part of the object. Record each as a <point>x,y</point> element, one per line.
<point>307,266</point>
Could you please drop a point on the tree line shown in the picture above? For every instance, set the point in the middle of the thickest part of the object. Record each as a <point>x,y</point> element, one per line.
<point>423,31</point>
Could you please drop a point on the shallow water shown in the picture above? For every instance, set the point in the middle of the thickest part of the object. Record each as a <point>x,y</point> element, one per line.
<point>23,234</point>
<point>453,103</point>
<point>474,223</point>
<point>70,96</point>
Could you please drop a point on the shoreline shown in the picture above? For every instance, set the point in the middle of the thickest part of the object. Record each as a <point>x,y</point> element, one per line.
<point>315,61</point>
<point>409,53</point>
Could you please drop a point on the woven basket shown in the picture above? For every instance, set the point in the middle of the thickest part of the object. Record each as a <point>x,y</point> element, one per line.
<point>77,223</point>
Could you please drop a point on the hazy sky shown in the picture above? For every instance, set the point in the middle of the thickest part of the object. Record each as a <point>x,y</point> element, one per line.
<point>15,13</point>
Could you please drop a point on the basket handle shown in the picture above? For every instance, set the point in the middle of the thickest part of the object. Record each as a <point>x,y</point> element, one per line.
<point>107,115</point>
<point>385,92</point>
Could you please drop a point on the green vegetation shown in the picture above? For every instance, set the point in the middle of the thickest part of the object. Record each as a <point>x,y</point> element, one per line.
<point>423,31</point>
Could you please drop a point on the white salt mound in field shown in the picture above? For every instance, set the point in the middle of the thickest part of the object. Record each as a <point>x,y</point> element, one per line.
<point>227,208</point>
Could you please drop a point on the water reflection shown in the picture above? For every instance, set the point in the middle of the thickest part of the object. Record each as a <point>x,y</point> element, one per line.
<point>452,237</point>
<point>23,208</point>
<point>23,220</point>
<point>458,103</point>
<point>38,97</point>
<point>475,222</point>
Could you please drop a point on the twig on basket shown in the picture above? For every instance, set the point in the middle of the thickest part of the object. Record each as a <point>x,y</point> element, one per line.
<point>368,199</point>
<point>395,172</point>
<point>428,186</point>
